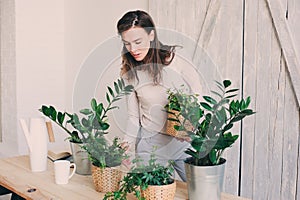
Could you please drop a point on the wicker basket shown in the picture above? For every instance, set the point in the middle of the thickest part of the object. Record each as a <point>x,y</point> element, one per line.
<point>107,179</point>
<point>170,130</point>
<point>159,192</point>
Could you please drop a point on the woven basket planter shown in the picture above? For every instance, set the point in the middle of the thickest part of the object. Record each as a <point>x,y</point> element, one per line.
<point>107,179</point>
<point>160,192</point>
<point>170,130</point>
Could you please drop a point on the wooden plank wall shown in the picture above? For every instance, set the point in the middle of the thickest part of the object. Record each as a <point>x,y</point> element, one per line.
<point>241,39</point>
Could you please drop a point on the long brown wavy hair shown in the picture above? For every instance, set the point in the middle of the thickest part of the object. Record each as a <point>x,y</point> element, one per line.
<point>159,55</point>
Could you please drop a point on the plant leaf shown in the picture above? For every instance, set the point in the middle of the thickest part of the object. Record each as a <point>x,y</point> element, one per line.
<point>213,157</point>
<point>107,98</point>
<point>111,91</point>
<point>226,83</point>
<point>94,104</point>
<point>206,106</point>
<point>120,84</point>
<point>46,111</point>
<point>227,127</point>
<point>128,88</point>
<point>60,117</point>
<point>247,102</point>
<point>116,88</point>
<point>232,90</point>
<point>197,144</point>
<point>85,111</point>
<point>210,100</point>
<point>52,113</point>
<point>230,96</point>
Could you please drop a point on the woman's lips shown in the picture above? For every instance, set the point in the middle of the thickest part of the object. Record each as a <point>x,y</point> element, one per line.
<point>135,55</point>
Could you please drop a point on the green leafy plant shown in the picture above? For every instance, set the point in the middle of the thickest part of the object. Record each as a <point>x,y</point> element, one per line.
<point>141,176</point>
<point>182,104</point>
<point>96,123</point>
<point>62,119</point>
<point>92,125</point>
<point>212,120</point>
<point>102,154</point>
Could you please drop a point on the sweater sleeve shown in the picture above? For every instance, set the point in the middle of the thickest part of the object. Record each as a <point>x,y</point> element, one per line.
<point>133,119</point>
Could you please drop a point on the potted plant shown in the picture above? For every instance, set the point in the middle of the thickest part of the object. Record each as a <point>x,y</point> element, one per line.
<point>211,120</point>
<point>147,182</point>
<point>106,157</point>
<point>77,134</point>
<point>177,98</point>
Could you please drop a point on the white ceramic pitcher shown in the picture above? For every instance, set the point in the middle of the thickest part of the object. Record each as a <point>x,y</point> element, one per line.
<point>37,142</point>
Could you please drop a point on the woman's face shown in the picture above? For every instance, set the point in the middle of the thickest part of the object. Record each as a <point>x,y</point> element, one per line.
<point>137,42</point>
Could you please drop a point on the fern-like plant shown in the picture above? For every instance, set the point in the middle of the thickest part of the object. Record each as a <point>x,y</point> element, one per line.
<point>141,176</point>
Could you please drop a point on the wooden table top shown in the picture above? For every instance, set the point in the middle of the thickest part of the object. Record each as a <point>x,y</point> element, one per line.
<point>15,174</point>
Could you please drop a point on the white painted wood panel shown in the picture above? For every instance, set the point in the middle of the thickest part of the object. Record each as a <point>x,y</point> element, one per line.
<point>270,139</point>
<point>250,71</point>
<point>275,121</point>
<point>262,87</point>
<point>224,46</point>
<point>287,44</point>
<point>293,7</point>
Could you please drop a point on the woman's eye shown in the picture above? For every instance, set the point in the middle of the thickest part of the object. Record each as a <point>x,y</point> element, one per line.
<point>139,42</point>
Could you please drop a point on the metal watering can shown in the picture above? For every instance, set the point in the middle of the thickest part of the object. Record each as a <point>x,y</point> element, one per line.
<point>36,138</point>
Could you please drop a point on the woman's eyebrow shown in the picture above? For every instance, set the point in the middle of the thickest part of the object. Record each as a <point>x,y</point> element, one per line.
<point>133,40</point>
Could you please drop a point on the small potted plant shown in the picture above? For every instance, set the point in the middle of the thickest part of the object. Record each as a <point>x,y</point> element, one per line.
<point>210,136</point>
<point>97,122</point>
<point>147,182</point>
<point>176,121</point>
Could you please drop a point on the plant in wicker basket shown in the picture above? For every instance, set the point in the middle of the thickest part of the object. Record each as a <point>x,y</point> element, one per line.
<point>90,130</point>
<point>147,182</point>
<point>179,105</point>
<point>93,126</point>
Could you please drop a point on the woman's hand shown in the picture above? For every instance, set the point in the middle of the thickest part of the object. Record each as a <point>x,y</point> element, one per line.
<point>125,145</point>
<point>184,139</point>
<point>126,162</point>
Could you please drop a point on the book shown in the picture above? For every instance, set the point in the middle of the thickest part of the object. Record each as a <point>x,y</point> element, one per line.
<point>59,154</point>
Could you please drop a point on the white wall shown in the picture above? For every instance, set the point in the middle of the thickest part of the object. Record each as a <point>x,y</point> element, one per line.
<point>9,145</point>
<point>52,40</point>
<point>87,25</point>
<point>39,58</point>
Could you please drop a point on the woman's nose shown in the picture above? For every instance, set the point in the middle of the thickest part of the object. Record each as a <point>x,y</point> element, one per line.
<point>133,47</point>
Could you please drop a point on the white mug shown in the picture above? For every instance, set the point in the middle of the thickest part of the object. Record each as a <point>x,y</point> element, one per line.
<point>62,171</point>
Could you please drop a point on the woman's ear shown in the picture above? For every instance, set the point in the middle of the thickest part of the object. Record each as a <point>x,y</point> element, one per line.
<point>151,35</point>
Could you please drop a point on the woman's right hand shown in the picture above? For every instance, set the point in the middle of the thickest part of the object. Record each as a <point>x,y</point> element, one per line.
<point>125,145</point>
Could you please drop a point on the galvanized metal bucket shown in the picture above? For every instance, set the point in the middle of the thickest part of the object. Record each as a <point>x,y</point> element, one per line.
<point>80,158</point>
<point>205,182</point>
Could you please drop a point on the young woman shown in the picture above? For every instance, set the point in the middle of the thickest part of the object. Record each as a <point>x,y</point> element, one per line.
<point>147,65</point>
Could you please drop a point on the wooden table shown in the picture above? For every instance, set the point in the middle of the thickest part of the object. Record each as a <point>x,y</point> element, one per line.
<point>15,175</point>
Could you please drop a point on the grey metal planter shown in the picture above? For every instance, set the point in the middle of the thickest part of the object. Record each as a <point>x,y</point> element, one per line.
<point>80,158</point>
<point>205,182</point>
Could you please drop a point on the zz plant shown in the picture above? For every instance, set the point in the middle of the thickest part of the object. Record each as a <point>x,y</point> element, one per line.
<point>212,120</point>
<point>91,128</point>
<point>62,119</point>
